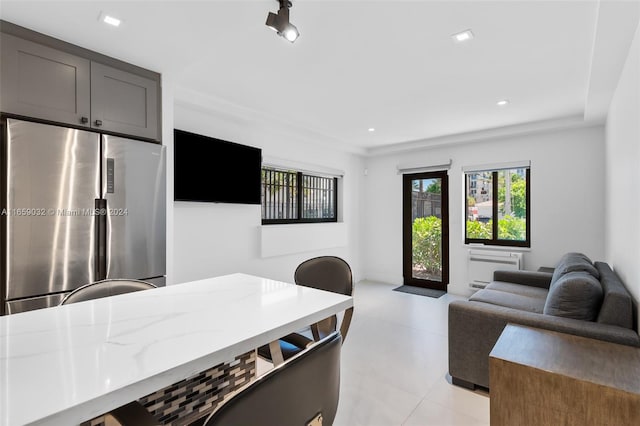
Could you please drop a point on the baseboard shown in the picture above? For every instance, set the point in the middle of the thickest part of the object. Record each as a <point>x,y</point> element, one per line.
<point>384,278</point>
<point>460,290</point>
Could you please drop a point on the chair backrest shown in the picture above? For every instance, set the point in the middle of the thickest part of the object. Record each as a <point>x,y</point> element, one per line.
<point>328,273</point>
<point>104,288</point>
<point>133,413</point>
<point>294,393</point>
<point>325,273</point>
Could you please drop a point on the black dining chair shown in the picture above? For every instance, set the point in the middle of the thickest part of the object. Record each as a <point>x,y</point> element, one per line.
<point>105,288</point>
<point>302,391</point>
<point>328,273</point>
<point>133,413</point>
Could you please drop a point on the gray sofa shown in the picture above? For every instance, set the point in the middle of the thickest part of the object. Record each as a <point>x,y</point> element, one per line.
<point>579,297</point>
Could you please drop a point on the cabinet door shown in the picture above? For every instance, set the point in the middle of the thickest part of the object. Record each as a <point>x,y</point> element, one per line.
<point>123,102</point>
<point>41,82</point>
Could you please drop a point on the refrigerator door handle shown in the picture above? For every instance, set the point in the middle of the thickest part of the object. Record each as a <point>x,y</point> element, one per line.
<point>101,238</point>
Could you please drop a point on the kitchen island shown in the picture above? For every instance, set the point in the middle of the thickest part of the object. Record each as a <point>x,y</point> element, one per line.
<point>69,364</point>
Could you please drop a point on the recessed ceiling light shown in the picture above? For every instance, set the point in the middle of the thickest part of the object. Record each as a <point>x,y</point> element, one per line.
<point>503,102</point>
<point>108,19</point>
<point>371,129</point>
<point>463,36</point>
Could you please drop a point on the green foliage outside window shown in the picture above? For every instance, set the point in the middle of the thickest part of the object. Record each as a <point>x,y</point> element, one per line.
<point>427,233</point>
<point>518,195</point>
<point>509,228</point>
<point>512,228</point>
<point>476,229</point>
<point>434,187</point>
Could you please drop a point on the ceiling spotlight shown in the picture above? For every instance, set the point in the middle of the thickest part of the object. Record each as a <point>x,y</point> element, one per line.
<point>280,22</point>
<point>462,36</point>
<point>503,102</point>
<point>371,129</point>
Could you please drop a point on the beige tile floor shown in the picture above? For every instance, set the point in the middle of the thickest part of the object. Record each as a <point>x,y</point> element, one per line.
<point>394,364</point>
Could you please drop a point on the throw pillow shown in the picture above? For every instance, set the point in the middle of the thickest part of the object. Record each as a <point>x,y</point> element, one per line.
<point>573,262</point>
<point>575,295</point>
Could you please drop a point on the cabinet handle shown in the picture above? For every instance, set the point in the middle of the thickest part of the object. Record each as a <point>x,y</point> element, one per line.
<point>84,120</point>
<point>98,122</point>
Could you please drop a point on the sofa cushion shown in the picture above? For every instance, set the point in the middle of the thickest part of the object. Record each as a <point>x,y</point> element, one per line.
<point>617,305</point>
<point>576,295</point>
<point>573,262</point>
<point>524,290</point>
<point>509,300</point>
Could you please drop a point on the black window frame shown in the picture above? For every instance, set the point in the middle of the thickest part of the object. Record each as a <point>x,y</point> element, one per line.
<point>494,241</point>
<point>300,199</point>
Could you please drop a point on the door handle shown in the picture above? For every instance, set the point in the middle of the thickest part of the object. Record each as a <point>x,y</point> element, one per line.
<point>101,238</point>
<point>98,122</point>
<point>84,120</point>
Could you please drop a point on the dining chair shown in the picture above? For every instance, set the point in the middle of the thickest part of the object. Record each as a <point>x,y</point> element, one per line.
<point>104,288</point>
<point>328,273</point>
<point>302,391</point>
<point>133,413</point>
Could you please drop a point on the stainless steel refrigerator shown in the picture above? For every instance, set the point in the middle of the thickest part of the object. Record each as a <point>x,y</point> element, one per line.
<point>77,207</point>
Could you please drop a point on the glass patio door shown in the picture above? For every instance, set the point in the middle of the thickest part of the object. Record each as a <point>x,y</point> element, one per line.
<point>426,230</point>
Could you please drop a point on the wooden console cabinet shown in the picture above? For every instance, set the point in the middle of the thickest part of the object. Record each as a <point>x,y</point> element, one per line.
<point>540,377</point>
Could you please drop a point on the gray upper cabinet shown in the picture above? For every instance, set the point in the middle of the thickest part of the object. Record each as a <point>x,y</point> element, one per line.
<point>68,85</point>
<point>38,81</point>
<point>122,102</point>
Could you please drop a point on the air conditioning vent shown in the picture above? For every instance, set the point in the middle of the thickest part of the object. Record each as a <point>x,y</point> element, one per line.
<point>482,263</point>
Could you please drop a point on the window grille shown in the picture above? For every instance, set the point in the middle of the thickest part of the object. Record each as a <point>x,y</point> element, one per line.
<point>289,196</point>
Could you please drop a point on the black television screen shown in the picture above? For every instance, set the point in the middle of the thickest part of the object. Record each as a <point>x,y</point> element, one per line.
<point>212,170</point>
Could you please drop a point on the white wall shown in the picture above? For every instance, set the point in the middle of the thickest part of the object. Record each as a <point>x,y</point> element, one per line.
<point>215,239</point>
<point>623,174</point>
<point>167,141</point>
<point>567,209</point>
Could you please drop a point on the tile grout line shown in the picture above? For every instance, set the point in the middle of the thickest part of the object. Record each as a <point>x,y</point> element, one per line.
<point>413,411</point>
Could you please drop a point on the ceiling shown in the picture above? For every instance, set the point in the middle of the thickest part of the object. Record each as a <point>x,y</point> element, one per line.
<point>388,65</point>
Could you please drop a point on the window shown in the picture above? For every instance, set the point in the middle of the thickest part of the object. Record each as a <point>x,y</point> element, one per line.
<point>289,196</point>
<point>502,195</point>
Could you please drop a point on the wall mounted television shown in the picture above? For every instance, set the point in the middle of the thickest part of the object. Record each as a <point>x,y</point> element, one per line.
<point>216,171</point>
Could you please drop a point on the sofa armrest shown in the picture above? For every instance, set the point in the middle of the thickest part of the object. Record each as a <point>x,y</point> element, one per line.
<point>474,328</point>
<point>530,278</point>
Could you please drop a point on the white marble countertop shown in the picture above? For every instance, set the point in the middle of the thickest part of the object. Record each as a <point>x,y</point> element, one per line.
<point>67,364</point>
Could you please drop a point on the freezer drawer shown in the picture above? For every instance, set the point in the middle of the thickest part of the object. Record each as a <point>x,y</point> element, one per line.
<point>157,281</point>
<point>33,303</point>
<point>53,178</point>
<point>134,186</point>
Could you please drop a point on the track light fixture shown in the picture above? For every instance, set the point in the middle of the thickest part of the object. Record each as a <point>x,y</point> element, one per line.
<point>280,22</point>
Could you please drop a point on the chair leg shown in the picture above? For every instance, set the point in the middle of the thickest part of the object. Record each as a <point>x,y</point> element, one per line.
<point>315,332</point>
<point>133,414</point>
<point>276,353</point>
<point>346,322</point>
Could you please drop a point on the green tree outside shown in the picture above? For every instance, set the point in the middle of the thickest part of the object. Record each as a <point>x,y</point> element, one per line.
<point>509,228</point>
<point>426,244</point>
<point>512,228</point>
<point>479,230</point>
<point>434,187</point>
<point>518,195</point>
